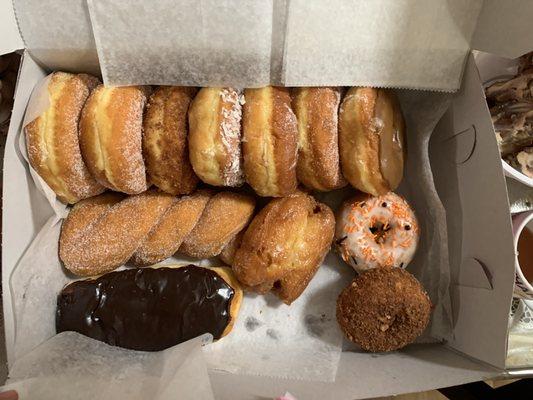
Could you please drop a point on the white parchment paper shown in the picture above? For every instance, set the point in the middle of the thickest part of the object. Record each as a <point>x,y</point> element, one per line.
<point>390,43</point>
<point>58,34</point>
<point>71,366</point>
<point>191,43</point>
<point>39,103</point>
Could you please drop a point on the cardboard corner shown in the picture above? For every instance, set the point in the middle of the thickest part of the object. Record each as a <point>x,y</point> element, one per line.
<point>9,32</point>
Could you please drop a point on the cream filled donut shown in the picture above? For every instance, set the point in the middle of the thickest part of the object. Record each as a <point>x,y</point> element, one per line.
<point>376,232</point>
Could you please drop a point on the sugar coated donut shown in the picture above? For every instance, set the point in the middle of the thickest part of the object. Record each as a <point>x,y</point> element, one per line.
<point>376,232</point>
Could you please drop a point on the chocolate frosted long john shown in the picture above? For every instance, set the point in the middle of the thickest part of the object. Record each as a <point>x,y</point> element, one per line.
<point>150,309</point>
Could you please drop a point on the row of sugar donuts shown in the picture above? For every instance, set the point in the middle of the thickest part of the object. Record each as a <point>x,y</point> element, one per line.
<point>92,137</point>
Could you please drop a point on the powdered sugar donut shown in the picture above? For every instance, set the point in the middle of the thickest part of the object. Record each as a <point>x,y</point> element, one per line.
<point>376,232</point>
<point>215,136</point>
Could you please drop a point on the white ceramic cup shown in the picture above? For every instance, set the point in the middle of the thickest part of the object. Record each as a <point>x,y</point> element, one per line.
<point>522,288</point>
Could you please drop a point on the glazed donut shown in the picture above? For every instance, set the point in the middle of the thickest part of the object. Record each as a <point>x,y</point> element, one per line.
<point>383,309</point>
<point>270,147</point>
<point>165,147</point>
<point>225,215</point>
<point>376,232</point>
<point>111,137</point>
<point>372,140</point>
<point>52,138</point>
<point>141,313</point>
<point>215,136</point>
<point>316,110</point>
<point>284,246</point>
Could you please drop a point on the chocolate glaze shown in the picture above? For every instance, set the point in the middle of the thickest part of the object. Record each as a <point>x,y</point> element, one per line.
<point>147,309</point>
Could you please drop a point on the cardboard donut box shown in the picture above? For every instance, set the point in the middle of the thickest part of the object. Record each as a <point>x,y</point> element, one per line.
<point>462,150</point>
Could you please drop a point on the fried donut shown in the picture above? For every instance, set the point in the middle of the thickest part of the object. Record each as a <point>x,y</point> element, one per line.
<point>215,136</point>
<point>52,138</point>
<point>228,252</point>
<point>284,245</point>
<point>165,147</point>
<point>102,233</point>
<point>383,309</point>
<point>140,313</point>
<point>316,110</point>
<point>371,140</point>
<point>176,223</point>
<point>111,137</point>
<point>225,215</point>
<point>270,136</point>
<point>376,232</point>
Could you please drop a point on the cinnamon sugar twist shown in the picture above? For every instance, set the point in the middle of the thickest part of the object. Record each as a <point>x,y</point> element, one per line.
<point>104,232</point>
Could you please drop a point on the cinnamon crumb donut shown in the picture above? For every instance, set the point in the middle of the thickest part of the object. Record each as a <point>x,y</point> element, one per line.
<point>111,137</point>
<point>215,136</point>
<point>372,140</point>
<point>270,141</point>
<point>316,110</point>
<point>52,139</point>
<point>383,309</point>
<point>376,232</point>
<point>165,146</point>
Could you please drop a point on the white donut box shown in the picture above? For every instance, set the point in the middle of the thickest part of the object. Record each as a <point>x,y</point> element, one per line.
<point>467,169</point>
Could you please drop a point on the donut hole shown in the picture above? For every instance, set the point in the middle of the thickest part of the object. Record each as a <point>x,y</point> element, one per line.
<point>407,227</point>
<point>277,285</point>
<point>379,229</point>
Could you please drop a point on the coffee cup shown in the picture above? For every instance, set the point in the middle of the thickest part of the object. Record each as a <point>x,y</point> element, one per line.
<point>523,245</point>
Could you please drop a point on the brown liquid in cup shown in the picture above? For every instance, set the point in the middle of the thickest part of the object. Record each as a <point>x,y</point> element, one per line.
<point>525,253</point>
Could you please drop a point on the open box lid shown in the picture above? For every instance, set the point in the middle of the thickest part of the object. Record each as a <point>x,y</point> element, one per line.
<point>72,47</point>
<point>389,43</point>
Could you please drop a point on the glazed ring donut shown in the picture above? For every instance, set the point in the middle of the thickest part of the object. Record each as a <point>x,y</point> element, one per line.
<point>371,140</point>
<point>376,232</point>
<point>316,110</point>
<point>166,151</point>
<point>270,147</point>
<point>383,309</point>
<point>111,137</point>
<point>215,136</point>
<point>52,139</point>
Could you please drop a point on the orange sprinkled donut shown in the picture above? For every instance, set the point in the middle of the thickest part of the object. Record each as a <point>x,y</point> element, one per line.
<point>376,232</point>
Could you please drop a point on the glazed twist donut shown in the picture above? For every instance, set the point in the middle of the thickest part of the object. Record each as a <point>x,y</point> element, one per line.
<point>104,232</point>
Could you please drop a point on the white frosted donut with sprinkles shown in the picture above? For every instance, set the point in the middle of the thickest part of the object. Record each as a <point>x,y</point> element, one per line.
<point>374,232</point>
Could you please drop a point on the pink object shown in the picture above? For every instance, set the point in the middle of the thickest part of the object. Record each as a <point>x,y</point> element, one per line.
<point>522,289</point>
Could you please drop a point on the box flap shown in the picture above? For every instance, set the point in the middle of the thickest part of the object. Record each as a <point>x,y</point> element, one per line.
<point>401,43</point>
<point>365,375</point>
<point>58,34</point>
<point>469,178</point>
<point>504,28</point>
<point>9,32</point>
